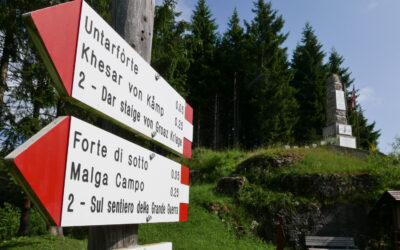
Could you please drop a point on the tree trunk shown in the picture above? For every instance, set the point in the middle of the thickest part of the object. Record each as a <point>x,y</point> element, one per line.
<point>198,127</point>
<point>133,20</point>
<point>4,66</point>
<point>216,104</point>
<point>24,224</point>
<point>24,219</point>
<point>235,113</point>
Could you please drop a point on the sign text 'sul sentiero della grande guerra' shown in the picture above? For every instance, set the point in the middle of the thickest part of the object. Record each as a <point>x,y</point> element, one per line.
<point>97,178</point>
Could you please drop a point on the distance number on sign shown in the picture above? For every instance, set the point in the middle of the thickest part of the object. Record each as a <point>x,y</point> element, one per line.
<point>179,107</point>
<point>178,123</point>
<point>175,174</point>
<point>174,192</point>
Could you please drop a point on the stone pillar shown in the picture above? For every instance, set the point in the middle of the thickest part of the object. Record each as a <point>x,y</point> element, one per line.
<point>337,130</point>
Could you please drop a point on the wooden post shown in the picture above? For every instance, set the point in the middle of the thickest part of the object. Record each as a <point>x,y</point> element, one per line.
<point>133,20</point>
<point>280,235</point>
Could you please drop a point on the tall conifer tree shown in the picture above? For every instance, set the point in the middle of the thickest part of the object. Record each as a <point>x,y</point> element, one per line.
<point>202,76</point>
<point>169,53</point>
<point>310,84</point>
<point>25,88</point>
<point>230,60</point>
<point>269,116</point>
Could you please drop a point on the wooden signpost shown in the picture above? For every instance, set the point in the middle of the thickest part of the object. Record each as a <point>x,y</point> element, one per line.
<point>95,68</point>
<point>81,175</point>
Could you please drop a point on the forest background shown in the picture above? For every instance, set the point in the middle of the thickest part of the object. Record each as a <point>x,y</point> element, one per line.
<point>245,89</point>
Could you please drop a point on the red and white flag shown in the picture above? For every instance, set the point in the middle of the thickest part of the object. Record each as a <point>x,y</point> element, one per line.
<point>353,99</point>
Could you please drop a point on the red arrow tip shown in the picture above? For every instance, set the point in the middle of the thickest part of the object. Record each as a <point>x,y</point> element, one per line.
<point>58,28</point>
<point>43,166</point>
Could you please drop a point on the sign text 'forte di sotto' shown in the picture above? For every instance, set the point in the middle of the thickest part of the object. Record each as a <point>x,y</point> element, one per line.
<point>80,175</point>
<point>95,67</point>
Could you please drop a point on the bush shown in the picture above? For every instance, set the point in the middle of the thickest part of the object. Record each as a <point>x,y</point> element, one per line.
<point>38,226</point>
<point>261,201</point>
<point>9,222</point>
<point>80,233</point>
<point>9,190</point>
<point>387,171</point>
<point>214,164</point>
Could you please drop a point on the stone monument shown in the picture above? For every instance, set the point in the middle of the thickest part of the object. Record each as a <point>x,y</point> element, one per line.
<point>337,130</point>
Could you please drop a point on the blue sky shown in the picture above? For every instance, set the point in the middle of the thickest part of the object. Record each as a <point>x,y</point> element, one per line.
<point>365,32</point>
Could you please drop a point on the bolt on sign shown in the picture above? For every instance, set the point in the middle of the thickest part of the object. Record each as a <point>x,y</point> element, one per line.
<point>81,175</point>
<point>95,68</point>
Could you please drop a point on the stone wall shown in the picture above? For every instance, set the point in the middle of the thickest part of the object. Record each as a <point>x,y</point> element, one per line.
<point>333,206</point>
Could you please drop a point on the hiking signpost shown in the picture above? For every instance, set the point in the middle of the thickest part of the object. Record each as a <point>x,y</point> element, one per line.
<point>81,175</point>
<point>98,70</point>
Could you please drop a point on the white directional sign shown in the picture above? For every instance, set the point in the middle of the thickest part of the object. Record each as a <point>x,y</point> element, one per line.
<point>109,76</point>
<point>81,175</point>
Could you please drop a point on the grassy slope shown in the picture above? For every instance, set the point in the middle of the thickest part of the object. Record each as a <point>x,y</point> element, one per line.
<point>203,231</point>
<point>207,230</point>
<point>258,198</point>
<point>43,242</point>
<point>324,161</point>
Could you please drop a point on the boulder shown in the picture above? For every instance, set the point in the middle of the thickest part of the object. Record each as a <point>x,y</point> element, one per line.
<point>231,185</point>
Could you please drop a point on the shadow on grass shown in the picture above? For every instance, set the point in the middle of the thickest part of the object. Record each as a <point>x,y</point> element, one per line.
<point>43,242</point>
<point>21,242</point>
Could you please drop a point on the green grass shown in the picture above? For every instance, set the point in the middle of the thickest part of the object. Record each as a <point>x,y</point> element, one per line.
<point>316,160</point>
<point>210,229</point>
<point>43,242</point>
<point>215,164</point>
<point>322,160</point>
<point>203,230</point>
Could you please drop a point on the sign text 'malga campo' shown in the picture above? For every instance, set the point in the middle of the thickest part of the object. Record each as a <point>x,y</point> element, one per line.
<point>107,175</point>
